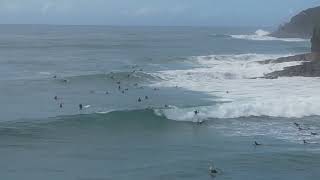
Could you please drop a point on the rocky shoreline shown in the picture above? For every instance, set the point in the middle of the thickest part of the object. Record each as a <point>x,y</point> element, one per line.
<point>309,68</point>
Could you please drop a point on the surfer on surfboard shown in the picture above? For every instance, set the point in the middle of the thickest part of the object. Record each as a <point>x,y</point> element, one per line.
<point>199,121</point>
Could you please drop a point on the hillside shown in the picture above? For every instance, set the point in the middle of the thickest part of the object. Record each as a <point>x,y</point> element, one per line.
<point>301,25</point>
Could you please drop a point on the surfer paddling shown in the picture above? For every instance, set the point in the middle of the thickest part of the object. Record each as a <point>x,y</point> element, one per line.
<point>257,144</point>
<point>213,171</point>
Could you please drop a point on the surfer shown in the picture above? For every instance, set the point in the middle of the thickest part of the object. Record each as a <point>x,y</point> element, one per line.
<point>80,107</point>
<point>60,105</point>
<point>119,87</point>
<point>305,142</point>
<point>146,97</point>
<point>257,144</point>
<point>139,100</point>
<point>212,171</point>
<point>296,124</point>
<point>56,98</point>
<point>314,134</point>
<point>196,112</point>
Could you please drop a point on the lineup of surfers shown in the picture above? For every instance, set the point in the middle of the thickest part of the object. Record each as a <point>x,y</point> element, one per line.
<point>119,87</point>
<point>299,128</point>
<point>196,112</point>
<point>212,170</point>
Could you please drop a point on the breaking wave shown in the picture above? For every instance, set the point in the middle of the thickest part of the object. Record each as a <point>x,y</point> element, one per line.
<point>226,67</point>
<point>233,79</point>
<point>261,35</point>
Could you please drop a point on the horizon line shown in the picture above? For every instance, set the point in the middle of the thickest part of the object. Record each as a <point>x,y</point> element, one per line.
<point>121,25</point>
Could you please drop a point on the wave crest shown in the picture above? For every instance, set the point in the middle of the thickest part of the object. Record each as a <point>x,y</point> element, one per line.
<point>242,66</point>
<point>261,35</point>
<point>230,81</point>
<point>288,107</point>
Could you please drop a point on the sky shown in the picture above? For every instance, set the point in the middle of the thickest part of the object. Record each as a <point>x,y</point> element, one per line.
<point>152,12</point>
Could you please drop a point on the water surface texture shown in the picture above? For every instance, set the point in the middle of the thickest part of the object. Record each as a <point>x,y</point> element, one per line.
<point>174,71</point>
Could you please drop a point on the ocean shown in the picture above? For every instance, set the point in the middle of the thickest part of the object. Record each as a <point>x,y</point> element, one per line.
<point>139,88</point>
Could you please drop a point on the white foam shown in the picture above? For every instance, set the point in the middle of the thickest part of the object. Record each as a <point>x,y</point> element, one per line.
<point>218,74</point>
<point>226,67</point>
<point>261,35</point>
<point>278,106</point>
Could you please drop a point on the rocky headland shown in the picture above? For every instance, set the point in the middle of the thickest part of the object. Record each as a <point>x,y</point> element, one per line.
<point>311,61</point>
<point>300,26</point>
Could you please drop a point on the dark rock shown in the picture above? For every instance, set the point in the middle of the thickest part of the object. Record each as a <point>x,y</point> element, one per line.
<point>315,40</point>
<point>311,62</point>
<point>309,68</point>
<point>300,57</point>
<point>301,25</point>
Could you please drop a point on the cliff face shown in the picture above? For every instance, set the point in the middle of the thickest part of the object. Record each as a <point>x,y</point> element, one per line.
<point>315,40</point>
<point>301,25</point>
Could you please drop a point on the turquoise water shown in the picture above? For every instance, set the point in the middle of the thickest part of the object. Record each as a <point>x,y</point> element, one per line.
<point>180,69</point>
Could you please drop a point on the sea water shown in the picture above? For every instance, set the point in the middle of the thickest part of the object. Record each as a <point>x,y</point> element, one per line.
<point>174,71</point>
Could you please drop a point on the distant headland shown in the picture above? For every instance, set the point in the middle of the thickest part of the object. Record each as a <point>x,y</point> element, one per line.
<point>300,26</point>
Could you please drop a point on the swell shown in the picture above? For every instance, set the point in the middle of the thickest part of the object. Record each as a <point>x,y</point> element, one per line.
<point>113,118</point>
<point>135,76</point>
<point>132,76</point>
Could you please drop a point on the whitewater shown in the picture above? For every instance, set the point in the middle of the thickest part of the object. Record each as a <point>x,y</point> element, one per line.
<point>236,84</point>
<point>138,88</point>
<point>262,35</point>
